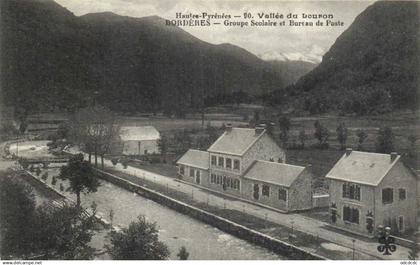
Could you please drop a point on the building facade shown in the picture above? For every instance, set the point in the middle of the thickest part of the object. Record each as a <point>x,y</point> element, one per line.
<point>230,163</point>
<point>370,189</point>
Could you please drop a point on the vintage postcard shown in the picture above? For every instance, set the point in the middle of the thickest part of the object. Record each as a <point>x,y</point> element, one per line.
<point>209,130</point>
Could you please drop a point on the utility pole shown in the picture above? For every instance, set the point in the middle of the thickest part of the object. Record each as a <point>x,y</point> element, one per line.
<point>353,240</point>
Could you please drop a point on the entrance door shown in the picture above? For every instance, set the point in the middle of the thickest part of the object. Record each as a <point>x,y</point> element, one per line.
<point>256,193</point>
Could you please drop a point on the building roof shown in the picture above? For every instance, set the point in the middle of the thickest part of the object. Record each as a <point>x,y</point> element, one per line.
<point>195,158</point>
<point>139,133</point>
<point>236,141</point>
<point>362,167</point>
<point>274,173</point>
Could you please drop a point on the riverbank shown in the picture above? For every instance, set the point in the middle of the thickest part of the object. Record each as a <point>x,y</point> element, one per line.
<point>223,224</point>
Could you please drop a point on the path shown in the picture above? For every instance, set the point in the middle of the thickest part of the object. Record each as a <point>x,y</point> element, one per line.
<point>299,222</point>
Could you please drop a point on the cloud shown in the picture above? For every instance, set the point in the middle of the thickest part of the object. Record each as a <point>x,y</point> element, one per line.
<point>309,43</point>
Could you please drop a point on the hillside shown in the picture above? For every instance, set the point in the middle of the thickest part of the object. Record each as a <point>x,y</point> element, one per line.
<point>373,67</point>
<point>290,71</point>
<point>52,60</point>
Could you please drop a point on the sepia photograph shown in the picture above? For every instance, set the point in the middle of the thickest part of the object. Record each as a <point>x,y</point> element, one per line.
<point>209,130</point>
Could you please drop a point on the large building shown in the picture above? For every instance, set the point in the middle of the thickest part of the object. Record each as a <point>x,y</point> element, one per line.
<point>139,140</point>
<point>248,163</point>
<point>370,189</point>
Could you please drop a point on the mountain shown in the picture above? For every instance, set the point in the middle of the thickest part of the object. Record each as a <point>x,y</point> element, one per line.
<point>52,59</point>
<point>373,66</point>
<point>290,71</point>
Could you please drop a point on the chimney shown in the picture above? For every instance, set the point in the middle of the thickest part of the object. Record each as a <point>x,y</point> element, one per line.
<point>228,127</point>
<point>393,156</point>
<point>348,151</point>
<point>259,129</point>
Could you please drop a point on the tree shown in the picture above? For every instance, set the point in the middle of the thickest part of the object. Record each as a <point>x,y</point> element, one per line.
<point>96,129</point>
<point>412,139</point>
<point>284,124</point>
<point>385,140</point>
<point>256,117</point>
<point>137,242</point>
<point>64,232</point>
<point>183,253</point>
<point>342,133</point>
<point>17,204</point>
<point>163,146</point>
<point>53,232</point>
<point>362,135</point>
<point>80,175</point>
<point>302,138</point>
<point>321,134</point>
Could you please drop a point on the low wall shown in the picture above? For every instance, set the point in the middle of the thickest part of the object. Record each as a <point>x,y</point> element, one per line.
<point>223,224</point>
<point>320,201</point>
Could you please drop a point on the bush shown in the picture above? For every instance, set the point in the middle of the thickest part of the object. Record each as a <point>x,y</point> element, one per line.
<point>154,160</point>
<point>61,187</point>
<point>114,161</point>
<point>31,168</point>
<point>53,180</point>
<point>124,163</point>
<point>38,171</point>
<point>44,176</point>
<point>23,163</point>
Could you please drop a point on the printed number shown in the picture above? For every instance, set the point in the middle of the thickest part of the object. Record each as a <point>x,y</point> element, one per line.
<point>247,15</point>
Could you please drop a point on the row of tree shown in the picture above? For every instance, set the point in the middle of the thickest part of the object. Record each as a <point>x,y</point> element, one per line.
<point>384,142</point>
<point>95,129</point>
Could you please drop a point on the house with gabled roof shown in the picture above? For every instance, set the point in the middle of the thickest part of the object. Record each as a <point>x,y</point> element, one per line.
<point>193,166</point>
<point>371,189</point>
<point>139,140</point>
<point>283,186</point>
<point>248,163</point>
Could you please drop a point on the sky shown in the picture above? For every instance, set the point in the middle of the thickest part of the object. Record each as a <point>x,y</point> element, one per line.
<point>281,43</point>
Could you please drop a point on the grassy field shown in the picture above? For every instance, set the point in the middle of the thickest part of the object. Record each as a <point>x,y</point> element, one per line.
<point>403,124</point>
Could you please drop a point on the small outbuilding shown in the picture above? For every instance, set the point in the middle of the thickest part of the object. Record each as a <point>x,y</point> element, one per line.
<point>139,140</point>
<point>193,167</point>
<point>279,185</point>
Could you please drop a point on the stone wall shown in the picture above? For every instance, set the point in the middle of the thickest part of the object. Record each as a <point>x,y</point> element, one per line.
<point>264,149</point>
<point>398,177</point>
<point>300,192</point>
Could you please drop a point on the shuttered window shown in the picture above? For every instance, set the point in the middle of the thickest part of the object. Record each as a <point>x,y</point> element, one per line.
<point>350,215</point>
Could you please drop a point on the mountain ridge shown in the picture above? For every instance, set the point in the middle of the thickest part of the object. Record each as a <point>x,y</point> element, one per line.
<point>128,64</point>
<point>372,67</point>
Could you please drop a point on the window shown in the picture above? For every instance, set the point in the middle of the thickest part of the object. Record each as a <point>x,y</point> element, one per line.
<point>228,163</point>
<point>387,195</point>
<point>228,182</point>
<point>213,160</point>
<point>282,194</point>
<point>191,172</point>
<point>236,164</point>
<point>235,184</point>
<point>402,195</point>
<point>351,191</point>
<point>217,179</point>
<point>238,184</point>
<point>221,161</point>
<point>266,190</point>
<point>181,170</point>
<point>213,178</point>
<point>197,173</point>
<point>350,215</point>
